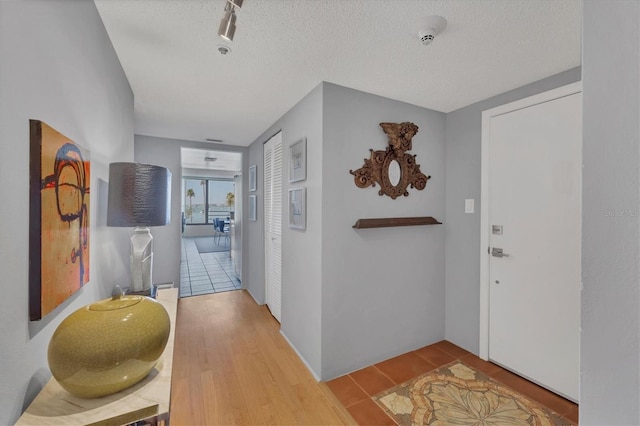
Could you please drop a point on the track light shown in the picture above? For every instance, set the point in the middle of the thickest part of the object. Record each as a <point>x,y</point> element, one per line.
<point>228,24</point>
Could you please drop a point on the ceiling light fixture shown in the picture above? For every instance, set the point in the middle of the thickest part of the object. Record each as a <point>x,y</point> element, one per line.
<point>434,25</point>
<point>227,27</point>
<point>223,49</point>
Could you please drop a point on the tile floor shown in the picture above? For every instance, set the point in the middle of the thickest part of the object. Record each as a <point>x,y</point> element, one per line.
<point>355,390</point>
<point>205,273</point>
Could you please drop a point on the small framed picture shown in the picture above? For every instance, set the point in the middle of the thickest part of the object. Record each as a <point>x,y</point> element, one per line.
<point>298,208</point>
<point>252,208</point>
<point>298,160</point>
<point>253,171</point>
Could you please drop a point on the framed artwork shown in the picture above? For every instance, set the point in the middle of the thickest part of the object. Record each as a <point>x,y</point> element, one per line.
<point>58,218</point>
<point>298,160</point>
<point>253,171</point>
<point>252,208</point>
<point>298,208</point>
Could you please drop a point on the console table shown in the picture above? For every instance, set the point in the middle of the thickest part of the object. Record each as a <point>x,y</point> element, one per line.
<point>147,400</point>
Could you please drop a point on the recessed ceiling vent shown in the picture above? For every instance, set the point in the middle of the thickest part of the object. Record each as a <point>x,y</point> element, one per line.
<point>214,140</point>
<point>434,25</point>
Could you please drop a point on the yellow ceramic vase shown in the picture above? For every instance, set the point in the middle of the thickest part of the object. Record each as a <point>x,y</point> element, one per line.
<point>109,345</point>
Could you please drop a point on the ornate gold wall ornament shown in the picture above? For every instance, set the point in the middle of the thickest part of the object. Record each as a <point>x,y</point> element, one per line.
<point>393,169</point>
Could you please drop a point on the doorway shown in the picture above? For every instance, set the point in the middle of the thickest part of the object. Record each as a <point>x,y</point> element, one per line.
<point>531,236</point>
<point>211,185</point>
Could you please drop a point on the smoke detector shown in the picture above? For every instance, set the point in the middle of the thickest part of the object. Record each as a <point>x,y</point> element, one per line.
<point>434,25</point>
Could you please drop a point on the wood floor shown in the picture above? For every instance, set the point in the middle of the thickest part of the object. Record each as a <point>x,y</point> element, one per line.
<point>232,366</point>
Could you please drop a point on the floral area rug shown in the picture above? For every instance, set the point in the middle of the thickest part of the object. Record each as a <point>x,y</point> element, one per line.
<point>457,394</point>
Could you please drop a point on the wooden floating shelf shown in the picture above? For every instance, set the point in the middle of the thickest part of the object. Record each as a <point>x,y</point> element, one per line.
<point>395,221</point>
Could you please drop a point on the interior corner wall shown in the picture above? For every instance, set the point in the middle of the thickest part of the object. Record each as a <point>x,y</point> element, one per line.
<point>167,240</point>
<point>462,248</point>
<point>57,66</point>
<point>301,275</point>
<point>610,310</point>
<point>382,289</point>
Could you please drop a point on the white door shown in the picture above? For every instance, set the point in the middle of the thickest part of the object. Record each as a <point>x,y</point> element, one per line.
<point>273,223</point>
<point>534,209</point>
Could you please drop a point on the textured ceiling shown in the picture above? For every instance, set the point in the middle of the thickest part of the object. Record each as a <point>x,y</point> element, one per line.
<point>282,49</point>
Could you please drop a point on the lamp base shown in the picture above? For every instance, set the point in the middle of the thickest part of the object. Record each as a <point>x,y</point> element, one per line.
<point>146,292</point>
<point>141,259</point>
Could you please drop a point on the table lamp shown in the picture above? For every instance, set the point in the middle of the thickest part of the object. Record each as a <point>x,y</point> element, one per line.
<point>139,197</point>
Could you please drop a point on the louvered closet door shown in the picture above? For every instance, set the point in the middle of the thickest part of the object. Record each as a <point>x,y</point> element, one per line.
<point>273,223</point>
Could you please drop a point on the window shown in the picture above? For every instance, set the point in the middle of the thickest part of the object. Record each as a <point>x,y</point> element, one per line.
<point>207,199</point>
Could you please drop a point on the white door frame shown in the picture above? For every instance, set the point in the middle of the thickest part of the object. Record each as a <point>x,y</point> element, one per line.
<point>487,115</point>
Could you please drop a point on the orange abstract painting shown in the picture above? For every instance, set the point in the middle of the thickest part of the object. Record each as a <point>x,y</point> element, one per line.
<point>59,219</point>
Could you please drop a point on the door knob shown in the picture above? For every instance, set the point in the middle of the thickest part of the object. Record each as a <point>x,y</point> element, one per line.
<point>497,252</point>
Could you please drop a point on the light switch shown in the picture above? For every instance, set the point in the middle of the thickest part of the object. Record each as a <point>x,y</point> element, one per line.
<point>469,205</point>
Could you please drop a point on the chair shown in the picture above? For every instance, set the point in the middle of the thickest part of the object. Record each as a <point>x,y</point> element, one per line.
<point>216,231</point>
<point>221,229</point>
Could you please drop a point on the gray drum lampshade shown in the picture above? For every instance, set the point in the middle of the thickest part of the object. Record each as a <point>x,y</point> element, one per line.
<point>139,195</point>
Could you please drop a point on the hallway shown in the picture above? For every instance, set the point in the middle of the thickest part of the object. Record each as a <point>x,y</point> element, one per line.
<point>232,366</point>
<point>205,273</point>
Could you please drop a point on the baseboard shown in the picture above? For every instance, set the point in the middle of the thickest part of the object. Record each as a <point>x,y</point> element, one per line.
<point>251,294</point>
<point>304,361</point>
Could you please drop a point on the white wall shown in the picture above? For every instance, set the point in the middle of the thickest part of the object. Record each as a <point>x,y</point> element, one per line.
<point>167,242</point>
<point>464,130</point>
<point>610,340</point>
<point>382,289</point>
<point>57,66</point>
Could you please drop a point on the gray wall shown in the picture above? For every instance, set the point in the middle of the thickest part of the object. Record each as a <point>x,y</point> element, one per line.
<point>57,66</point>
<point>167,242</point>
<point>382,289</point>
<point>301,285</point>
<point>462,259</point>
<point>351,298</point>
<point>610,340</point>
<point>255,229</point>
